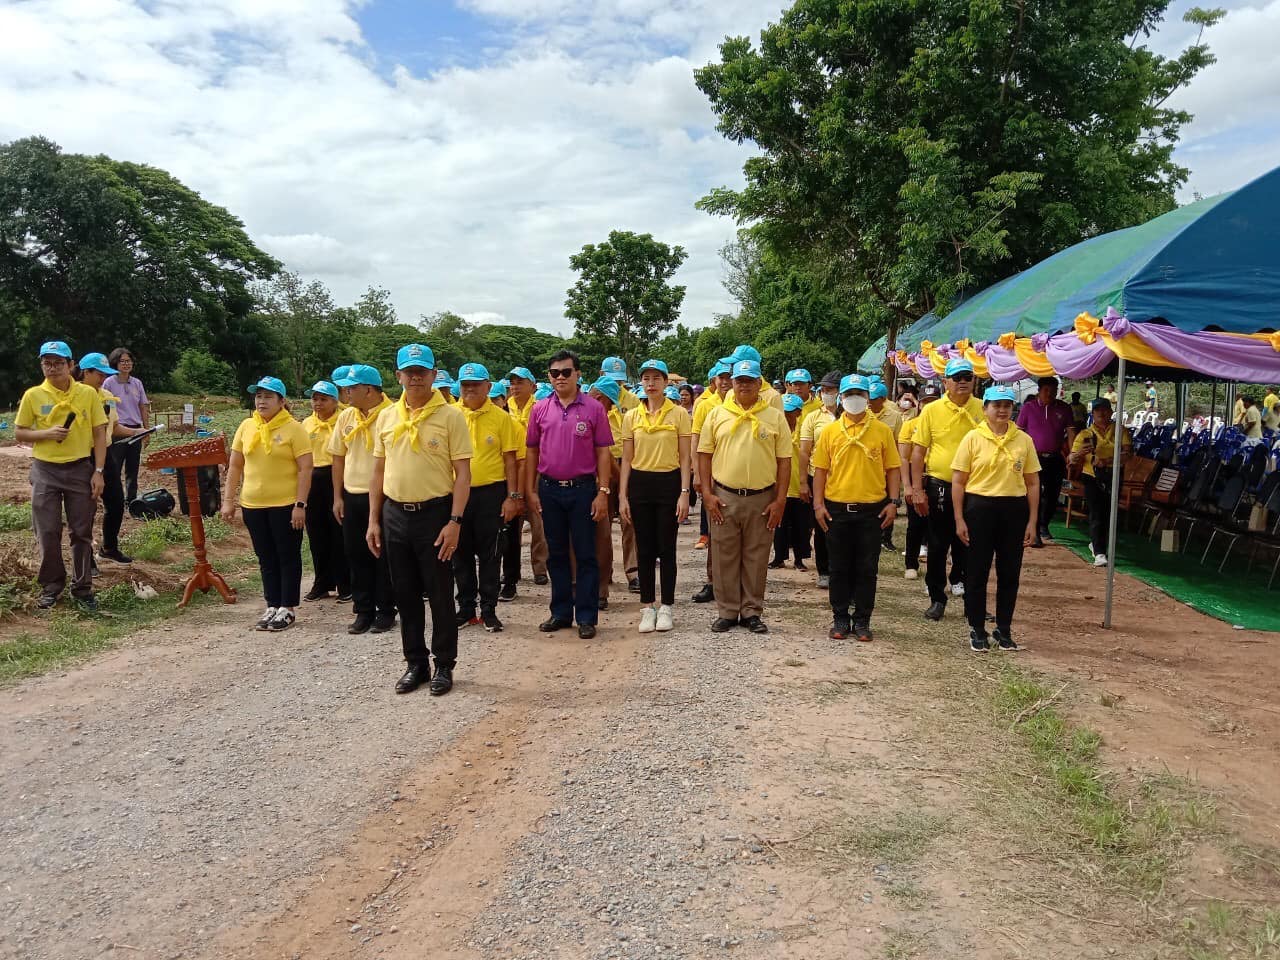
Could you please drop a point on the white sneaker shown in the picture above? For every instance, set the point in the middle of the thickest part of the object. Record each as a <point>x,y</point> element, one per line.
<point>924,553</point>
<point>1099,559</point>
<point>648,620</point>
<point>265,620</point>
<point>911,574</point>
<point>665,620</point>
<point>957,589</point>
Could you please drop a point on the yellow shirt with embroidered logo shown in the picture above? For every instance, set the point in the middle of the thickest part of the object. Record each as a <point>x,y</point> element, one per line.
<point>1104,445</point>
<point>353,441</point>
<point>493,434</point>
<point>745,450</point>
<point>655,441</point>
<point>615,428</point>
<point>890,416</point>
<point>424,471</point>
<point>942,425</point>
<point>811,428</point>
<point>44,406</point>
<point>321,434</point>
<point>793,484</point>
<point>109,401</point>
<point>856,457</point>
<point>708,402</point>
<point>270,467</point>
<point>997,466</point>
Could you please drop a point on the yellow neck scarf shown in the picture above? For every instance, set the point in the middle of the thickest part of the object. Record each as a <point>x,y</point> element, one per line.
<point>62,404</point>
<point>645,425</point>
<point>1001,442</point>
<point>364,424</point>
<point>854,439</point>
<point>959,413</point>
<point>410,421</point>
<point>474,415</point>
<point>262,430</point>
<point>325,428</point>
<point>744,416</point>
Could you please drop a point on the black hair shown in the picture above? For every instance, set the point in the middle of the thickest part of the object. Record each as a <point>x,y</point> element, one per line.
<point>113,359</point>
<point>565,355</point>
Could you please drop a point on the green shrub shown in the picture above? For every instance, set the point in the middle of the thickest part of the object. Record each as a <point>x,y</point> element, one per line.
<point>199,372</point>
<point>15,516</point>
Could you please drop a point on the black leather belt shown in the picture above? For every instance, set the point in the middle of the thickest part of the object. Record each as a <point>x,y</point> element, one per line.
<point>835,506</point>
<point>742,491</point>
<point>582,481</point>
<point>421,504</point>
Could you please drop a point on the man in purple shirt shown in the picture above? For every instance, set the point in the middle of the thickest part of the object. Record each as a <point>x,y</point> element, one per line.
<point>1048,421</point>
<point>568,468</point>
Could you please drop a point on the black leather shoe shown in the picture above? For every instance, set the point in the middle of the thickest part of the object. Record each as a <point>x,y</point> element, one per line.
<point>587,631</point>
<point>413,678</point>
<point>360,624</point>
<point>705,595</point>
<point>382,623</point>
<point>541,579</point>
<point>442,682</point>
<point>777,564</point>
<point>315,593</point>
<point>755,625</point>
<point>552,624</point>
<point>935,611</point>
<point>633,585</point>
<point>722,625</point>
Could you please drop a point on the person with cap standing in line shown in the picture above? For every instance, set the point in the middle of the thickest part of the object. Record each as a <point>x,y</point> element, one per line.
<point>496,498</point>
<point>606,392</point>
<point>856,482</point>
<point>616,368</point>
<point>417,496</point>
<point>1049,423</point>
<point>744,454</point>
<point>654,489</point>
<point>888,414</point>
<point>520,401</point>
<point>718,385</point>
<point>444,385</point>
<point>792,535</point>
<point>133,409</point>
<point>324,532</point>
<point>339,374</point>
<point>66,425</point>
<point>1094,451</point>
<point>271,453</point>
<point>569,465</point>
<point>994,489</point>
<point>811,428</point>
<point>498,393</point>
<point>744,351</point>
<point>917,525</point>
<point>351,446</point>
<point>800,383</point>
<point>94,371</point>
<point>943,424</point>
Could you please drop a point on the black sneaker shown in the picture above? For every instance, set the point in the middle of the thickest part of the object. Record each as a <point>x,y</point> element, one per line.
<point>705,595</point>
<point>634,584</point>
<point>777,564</point>
<point>466,618</point>
<point>800,565</point>
<point>87,604</point>
<point>978,642</point>
<point>541,579</point>
<point>315,593</point>
<point>360,624</point>
<point>383,622</point>
<point>46,601</point>
<point>492,623</point>
<point>508,593</point>
<point>344,596</point>
<point>935,611</point>
<point>1003,640</point>
<point>839,629</point>
<point>115,556</point>
<point>862,632</point>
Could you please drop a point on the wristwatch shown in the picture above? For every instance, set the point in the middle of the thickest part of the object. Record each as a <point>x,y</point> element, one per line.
<point>515,496</point>
<point>684,489</point>
<point>605,490</point>
<point>897,502</point>
<point>99,469</point>
<point>456,519</point>
<point>299,505</point>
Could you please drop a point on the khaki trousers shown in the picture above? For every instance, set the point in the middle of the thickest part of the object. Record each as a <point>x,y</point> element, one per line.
<point>537,543</point>
<point>55,487</point>
<point>740,554</point>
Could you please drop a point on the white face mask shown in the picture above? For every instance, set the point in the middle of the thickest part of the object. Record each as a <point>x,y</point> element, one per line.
<point>854,405</point>
<point>829,398</point>
<point>905,404</point>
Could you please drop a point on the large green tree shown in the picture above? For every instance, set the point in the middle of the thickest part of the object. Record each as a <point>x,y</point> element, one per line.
<point>926,147</point>
<point>313,335</point>
<point>623,300</point>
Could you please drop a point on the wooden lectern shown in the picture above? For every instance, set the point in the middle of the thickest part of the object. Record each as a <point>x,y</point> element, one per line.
<point>210,452</point>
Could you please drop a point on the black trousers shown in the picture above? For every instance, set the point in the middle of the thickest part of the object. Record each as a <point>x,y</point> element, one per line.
<point>279,550</point>
<point>113,495</point>
<point>821,559</point>
<point>566,519</point>
<point>996,528</point>
<point>131,458</point>
<point>408,541</point>
<point>324,534</point>
<point>1097,500</point>
<point>1052,470</point>
<point>917,531</point>
<point>511,552</point>
<point>942,538</point>
<point>370,579</point>
<point>481,521</point>
<point>792,534</point>
<point>653,497</point>
<point>853,550</point>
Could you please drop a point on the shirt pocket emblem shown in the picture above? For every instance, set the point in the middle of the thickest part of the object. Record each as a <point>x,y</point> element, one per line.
<point>46,409</point>
<point>490,440</point>
<point>581,428</point>
<point>434,443</point>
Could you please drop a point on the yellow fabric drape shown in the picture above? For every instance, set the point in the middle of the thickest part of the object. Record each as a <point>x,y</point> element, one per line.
<point>1132,348</point>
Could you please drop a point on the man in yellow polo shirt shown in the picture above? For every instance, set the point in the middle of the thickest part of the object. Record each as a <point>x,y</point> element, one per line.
<point>520,401</point>
<point>324,530</point>
<point>420,486</point>
<point>718,385</point>
<point>744,351</point>
<point>494,502</point>
<point>856,480</point>
<point>744,460</point>
<point>66,425</point>
<point>351,446</point>
<point>943,424</point>
<point>800,383</point>
<point>811,427</point>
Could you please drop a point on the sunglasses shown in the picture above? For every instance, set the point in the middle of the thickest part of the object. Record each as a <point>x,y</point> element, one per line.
<point>962,377</point>
<point>562,374</point>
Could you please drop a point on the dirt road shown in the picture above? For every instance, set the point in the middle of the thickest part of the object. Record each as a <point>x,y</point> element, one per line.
<point>207,792</point>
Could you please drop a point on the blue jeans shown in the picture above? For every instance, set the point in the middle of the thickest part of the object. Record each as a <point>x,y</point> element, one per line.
<point>566,518</point>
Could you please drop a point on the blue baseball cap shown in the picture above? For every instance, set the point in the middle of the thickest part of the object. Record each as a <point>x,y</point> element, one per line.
<point>54,348</point>
<point>609,387</point>
<point>799,375</point>
<point>672,393</point>
<point>958,365</point>
<point>523,373</point>
<point>614,367</point>
<point>999,392</point>
<point>1099,402</point>
<point>792,401</point>
<point>359,373</point>
<point>855,381</point>
<point>879,389</point>
<point>415,355</point>
<point>274,384</point>
<point>323,387</point>
<point>746,368</point>
<point>96,361</point>
<point>745,351</point>
<point>443,380</point>
<point>341,373</point>
<point>499,389</point>
<point>658,365</point>
<point>543,391</point>
<point>472,372</point>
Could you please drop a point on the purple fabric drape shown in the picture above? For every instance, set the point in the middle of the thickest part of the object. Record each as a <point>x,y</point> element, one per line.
<point>1003,365</point>
<point>1076,360</point>
<point>924,366</point>
<point>1215,354</point>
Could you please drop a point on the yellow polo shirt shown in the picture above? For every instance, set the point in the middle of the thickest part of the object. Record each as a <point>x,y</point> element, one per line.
<point>1270,401</point>
<point>997,466</point>
<point>493,435</point>
<point>908,432</point>
<point>109,401</point>
<point>321,434</point>
<point>812,405</point>
<point>769,395</point>
<point>890,416</point>
<point>627,400</point>
<point>655,441</point>
<point>793,484</point>
<point>44,406</point>
<point>615,428</point>
<point>856,457</point>
<point>1105,445</point>
<point>704,408</point>
<point>353,441</point>
<point>811,428</point>
<point>421,471</point>
<point>271,451</point>
<point>745,446</point>
<point>942,426</point>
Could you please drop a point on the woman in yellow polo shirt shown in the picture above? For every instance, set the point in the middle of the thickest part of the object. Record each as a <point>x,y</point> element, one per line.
<point>271,453</point>
<point>324,532</point>
<point>995,493</point>
<point>654,489</point>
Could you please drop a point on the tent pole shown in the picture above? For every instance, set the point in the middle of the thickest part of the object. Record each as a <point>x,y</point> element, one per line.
<point>1213,406</point>
<point>1181,410</point>
<point>1115,499</point>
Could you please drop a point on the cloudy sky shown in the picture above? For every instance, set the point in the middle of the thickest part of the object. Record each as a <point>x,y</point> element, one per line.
<point>458,151</point>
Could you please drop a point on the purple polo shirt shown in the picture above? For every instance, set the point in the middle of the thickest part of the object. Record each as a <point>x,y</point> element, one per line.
<point>132,395</point>
<point>1046,424</point>
<point>567,437</point>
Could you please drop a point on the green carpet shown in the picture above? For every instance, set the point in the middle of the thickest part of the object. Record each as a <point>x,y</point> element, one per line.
<point>1233,596</point>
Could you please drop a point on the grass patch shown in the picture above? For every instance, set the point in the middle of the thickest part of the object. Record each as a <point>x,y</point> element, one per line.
<point>15,516</point>
<point>907,893</point>
<point>1225,930</point>
<point>902,944</point>
<point>150,540</point>
<point>901,839</point>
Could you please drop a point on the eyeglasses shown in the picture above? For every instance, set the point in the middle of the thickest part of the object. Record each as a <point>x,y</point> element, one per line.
<point>561,374</point>
<point>962,377</point>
